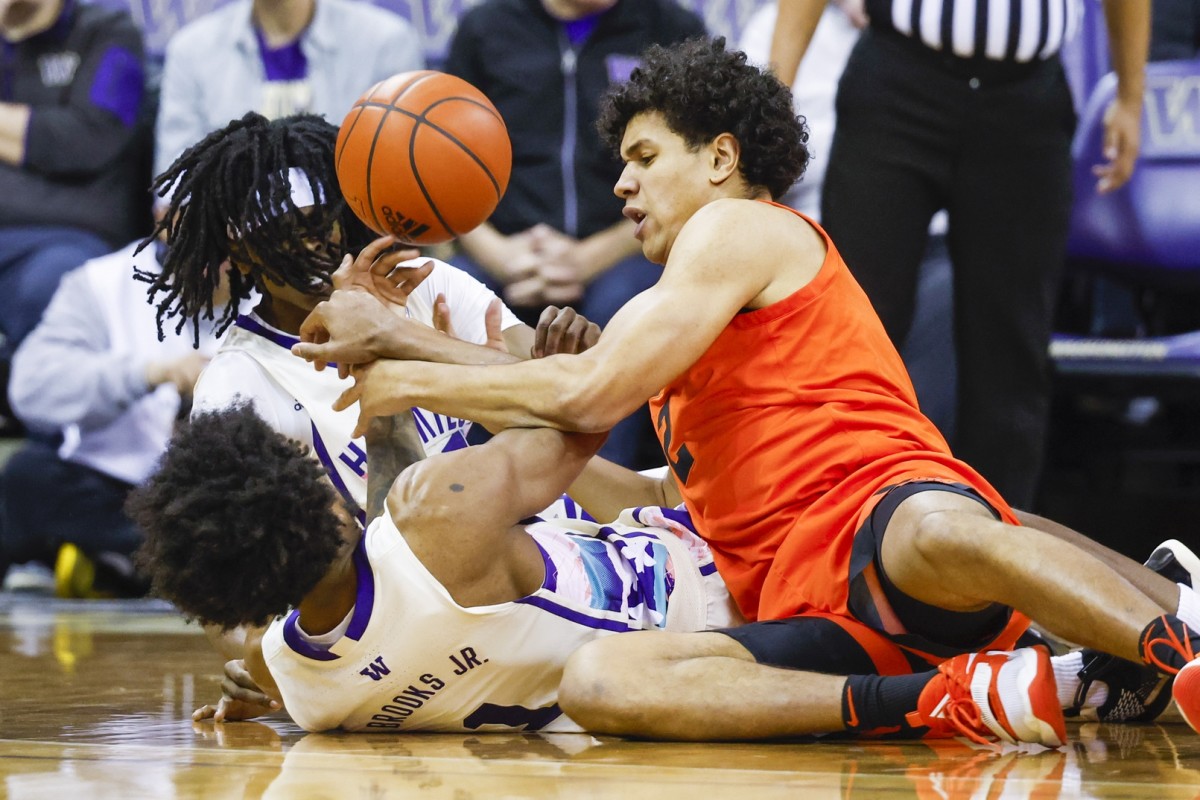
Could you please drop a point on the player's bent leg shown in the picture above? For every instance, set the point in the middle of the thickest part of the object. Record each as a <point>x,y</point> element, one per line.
<point>1157,584</point>
<point>693,687</point>
<point>946,550</point>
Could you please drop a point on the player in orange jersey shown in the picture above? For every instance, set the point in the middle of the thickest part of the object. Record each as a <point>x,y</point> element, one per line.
<point>794,438</point>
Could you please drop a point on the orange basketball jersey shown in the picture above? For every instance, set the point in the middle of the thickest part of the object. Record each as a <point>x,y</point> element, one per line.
<point>783,430</point>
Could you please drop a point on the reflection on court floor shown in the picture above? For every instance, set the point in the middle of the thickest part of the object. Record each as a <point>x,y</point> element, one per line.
<point>96,698</point>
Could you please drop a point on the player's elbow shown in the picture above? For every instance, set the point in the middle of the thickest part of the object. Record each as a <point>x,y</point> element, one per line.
<point>593,407</point>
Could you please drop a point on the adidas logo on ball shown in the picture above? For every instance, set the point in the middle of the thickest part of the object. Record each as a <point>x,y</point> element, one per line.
<point>401,226</point>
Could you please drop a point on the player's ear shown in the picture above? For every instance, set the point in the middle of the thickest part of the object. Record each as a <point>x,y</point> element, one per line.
<point>724,154</point>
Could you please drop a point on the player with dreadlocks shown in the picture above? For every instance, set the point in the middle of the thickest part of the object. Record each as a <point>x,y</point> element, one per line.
<point>232,197</point>
<point>263,196</point>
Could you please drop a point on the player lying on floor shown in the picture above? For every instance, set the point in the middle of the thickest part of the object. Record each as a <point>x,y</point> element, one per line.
<point>450,613</point>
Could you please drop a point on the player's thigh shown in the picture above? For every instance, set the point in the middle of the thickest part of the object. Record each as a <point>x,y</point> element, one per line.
<point>641,651</point>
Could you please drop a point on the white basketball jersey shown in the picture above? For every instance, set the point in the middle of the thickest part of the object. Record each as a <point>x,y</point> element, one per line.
<point>255,363</point>
<point>412,659</point>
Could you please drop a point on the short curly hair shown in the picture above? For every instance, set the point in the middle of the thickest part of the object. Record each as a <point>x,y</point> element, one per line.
<point>238,521</point>
<point>703,90</point>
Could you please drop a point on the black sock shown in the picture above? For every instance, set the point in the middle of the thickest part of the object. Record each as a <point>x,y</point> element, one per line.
<point>877,705</point>
<point>1167,644</point>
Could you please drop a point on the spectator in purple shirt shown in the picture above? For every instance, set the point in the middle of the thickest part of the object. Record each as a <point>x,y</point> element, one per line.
<point>71,163</point>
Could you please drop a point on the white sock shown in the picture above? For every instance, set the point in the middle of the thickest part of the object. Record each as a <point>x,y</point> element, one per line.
<point>1189,607</point>
<point>1066,676</point>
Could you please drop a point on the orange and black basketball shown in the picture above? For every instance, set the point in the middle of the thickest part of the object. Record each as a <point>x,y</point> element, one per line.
<point>424,156</point>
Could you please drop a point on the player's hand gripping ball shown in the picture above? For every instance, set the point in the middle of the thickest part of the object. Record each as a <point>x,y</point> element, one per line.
<point>423,156</point>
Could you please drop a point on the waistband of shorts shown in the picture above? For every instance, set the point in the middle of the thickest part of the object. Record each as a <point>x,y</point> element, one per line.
<point>986,71</point>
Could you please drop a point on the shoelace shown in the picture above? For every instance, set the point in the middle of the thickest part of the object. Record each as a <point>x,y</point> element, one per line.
<point>962,712</point>
<point>1172,641</point>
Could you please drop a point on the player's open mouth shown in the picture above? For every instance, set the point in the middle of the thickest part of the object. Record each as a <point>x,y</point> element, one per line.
<point>639,217</point>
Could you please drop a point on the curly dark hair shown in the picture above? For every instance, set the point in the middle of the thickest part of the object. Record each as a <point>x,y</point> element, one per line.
<point>233,184</point>
<point>703,90</point>
<point>239,523</point>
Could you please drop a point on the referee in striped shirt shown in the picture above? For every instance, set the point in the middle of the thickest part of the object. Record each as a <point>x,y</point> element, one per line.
<point>963,105</point>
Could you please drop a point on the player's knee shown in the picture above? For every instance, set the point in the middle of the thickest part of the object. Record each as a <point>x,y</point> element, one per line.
<point>599,688</point>
<point>942,537</point>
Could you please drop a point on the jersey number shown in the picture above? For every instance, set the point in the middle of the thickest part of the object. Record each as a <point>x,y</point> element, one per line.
<point>681,466</point>
<point>530,719</point>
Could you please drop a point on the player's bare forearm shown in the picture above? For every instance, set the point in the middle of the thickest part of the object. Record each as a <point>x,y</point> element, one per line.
<point>653,338</point>
<point>393,445</point>
<point>605,489</point>
<point>532,394</point>
<point>417,342</point>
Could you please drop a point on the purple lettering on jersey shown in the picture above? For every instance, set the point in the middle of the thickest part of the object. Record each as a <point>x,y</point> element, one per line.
<point>355,458</point>
<point>423,427</point>
<point>119,85</point>
<point>323,456</point>
<point>456,442</point>
<point>376,669</point>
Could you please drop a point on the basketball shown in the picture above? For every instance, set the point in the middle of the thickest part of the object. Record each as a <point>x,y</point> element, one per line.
<point>423,156</point>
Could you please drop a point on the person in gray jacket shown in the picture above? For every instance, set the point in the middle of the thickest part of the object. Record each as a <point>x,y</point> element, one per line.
<point>277,58</point>
<point>94,374</point>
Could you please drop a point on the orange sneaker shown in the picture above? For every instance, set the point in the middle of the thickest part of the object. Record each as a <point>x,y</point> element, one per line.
<point>995,696</point>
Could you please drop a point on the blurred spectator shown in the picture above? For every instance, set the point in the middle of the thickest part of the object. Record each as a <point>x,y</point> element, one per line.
<point>95,371</point>
<point>963,105</point>
<point>814,86</point>
<point>71,90</point>
<point>558,236</point>
<point>277,57</point>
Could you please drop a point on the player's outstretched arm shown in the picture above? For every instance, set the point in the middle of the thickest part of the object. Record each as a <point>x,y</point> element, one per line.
<point>459,511</point>
<point>710,276</point>
<point>605,489</point>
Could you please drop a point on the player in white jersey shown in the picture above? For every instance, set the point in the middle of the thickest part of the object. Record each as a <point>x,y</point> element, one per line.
<point>263,195</point>
<point>452,612</point>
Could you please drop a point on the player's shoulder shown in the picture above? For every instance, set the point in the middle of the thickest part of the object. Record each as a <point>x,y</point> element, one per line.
<point>749,240</point>
<point>230,374</point>
<point>747,225</point>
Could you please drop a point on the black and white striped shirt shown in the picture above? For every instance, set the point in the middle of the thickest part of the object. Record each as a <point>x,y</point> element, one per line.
<point>1000,30</point>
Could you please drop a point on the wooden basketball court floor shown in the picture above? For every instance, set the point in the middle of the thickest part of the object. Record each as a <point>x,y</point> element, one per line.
<point>96,697</point>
